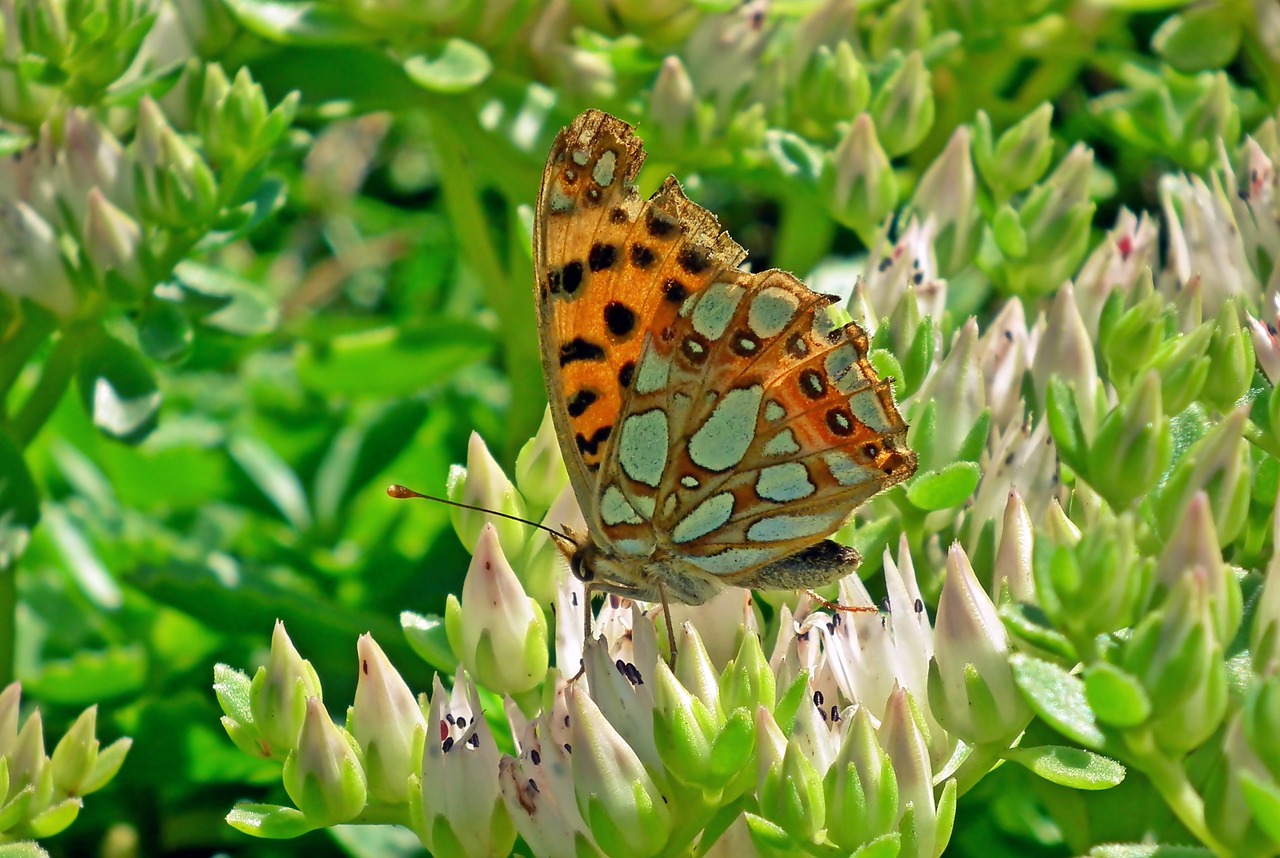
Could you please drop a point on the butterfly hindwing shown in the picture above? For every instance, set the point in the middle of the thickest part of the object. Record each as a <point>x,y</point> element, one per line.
<point>716,425</point>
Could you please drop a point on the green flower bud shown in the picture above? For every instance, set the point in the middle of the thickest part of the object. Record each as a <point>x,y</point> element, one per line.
<point>1055,217</point>
<point>621,804</point>
<point>858,180</point>
<point>496,631</point>
<point>323,774</point>
<point>1019,158</point>
<point>833,88</point>
<point>1058,528</point>
<point>387,724</point>
<point>1213,116</point>
<point>1097,584</point>
<point>1132,340</point>
<point>696,672</point>
<point>1013,569</point>
<point>459,808</point>
<point>279,692</point>
<point>673,106</point>
<point>684,730</point>
<point>540,471</point>
<point>1264,632</point>
<point>76,755</point>
<point>1219,465</point>
<point>1194,545</point>
<point>925,824</point>
<point>1178,658</point>
<point>791,793</point>
<point>1231,356</point>
<point>747,679</point>
<point>947,196</point>
<point>42,26</point>
<point>1200,38</point>
<point>10,704</point>
<point>861,788</point>
<point>1066,351</point>
<point>483,484</point>
<point>904,26</point>
<point>954,389</point>
<point>175,187</point>
<point>903,106</point>
<point>1228,811</point>
<point>28,765</point>
<point>1184,368</point>
<point>1133,447</point>
<point>113,244</point>
<point>971,687</point>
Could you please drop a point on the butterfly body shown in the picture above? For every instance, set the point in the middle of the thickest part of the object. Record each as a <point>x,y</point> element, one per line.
<point>716,425</point>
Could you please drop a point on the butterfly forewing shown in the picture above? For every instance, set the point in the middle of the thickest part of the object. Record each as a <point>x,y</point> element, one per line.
<point>713,422</point>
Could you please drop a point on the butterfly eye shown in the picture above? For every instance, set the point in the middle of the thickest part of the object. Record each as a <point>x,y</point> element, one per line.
<point>579,567</point>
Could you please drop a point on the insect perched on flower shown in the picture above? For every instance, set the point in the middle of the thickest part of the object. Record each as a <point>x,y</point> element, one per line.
<point>717,425</point>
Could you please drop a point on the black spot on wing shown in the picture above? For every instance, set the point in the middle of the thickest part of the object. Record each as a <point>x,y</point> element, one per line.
<point>579,349</point>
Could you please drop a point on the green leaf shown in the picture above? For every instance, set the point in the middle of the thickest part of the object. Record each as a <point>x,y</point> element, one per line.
<point>1263,798</point>
<point>25,849</point>
<point>1069,767</point>
<point>1147,850</point>
<point>1065,426</point>
<point>944,489</point>
<point>118,389</point>
<point>19,503</point>
<point>884,846</point>
<point>273,476</point>
<point>426,634</point>
<point>164,332</point>
<point>457,67</point>
<point>242,307</point>
<point>298,23</point>
<point>55,818</point>
<point>1116,696</point>
<point>392,361</point>
<point>90,676</point>
<point>1058,697</point>
<point>269,821</point>
<point>1028,623</point>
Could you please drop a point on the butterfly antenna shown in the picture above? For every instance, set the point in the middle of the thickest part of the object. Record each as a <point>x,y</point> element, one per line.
<point>402,493</point>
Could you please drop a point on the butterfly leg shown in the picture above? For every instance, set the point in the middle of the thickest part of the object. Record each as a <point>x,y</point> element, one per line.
<point>671,631</point>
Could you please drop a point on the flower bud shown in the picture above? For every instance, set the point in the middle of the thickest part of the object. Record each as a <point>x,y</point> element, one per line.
<point>1267,348</point>
<point>1066,351</point>
<point>858,180</point>
<point>953,389</point>
<point>971,687</point>
<point>1129,340</point>
<point>459,809</point>
<point>791,793</point>
<point>279,692</point>
<point>323,774</point>
<point>925,825</point>
<point>1176,654</point>
<point>1204,237</point>
<point>861,788</point>
<point>540,470</point>
<point>747,680</point>
<point>1213,116</point>
<point>947,193</point>
<point>1217,464</point>
<point>833,88</point>
<point>620,803</point>
<point>387,724</point>
<point>496,631</point>
<point>1133,446</point>
<point>1117,264</point>
<point>537,790</point>
<point>1013,568</point>
<point>76,755</point>
<point>1264,633</point>
<point>903,106</point>
<point>175,187</point>
<point>1231,356</point>
<point>1194,545</point>
<point>684,731</point>
<point>1019,158</point>
<point>1055,218</point>
<point>34,266</point>
<point>483,484</point>
<point>113,244</point>
<point>1002,356</point>
<point>904,26</point>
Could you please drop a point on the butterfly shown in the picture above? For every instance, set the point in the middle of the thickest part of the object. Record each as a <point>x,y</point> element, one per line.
<point>716,425</point>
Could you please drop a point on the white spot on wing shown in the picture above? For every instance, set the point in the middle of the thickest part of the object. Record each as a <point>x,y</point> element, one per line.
<point>843,370</point>
<point>847,472</point>
<point>715,309</point>
<point>642,447</point>
<point>772,309</point>
<point>867,408</point>
<point>614,508</point>
<point>773,411</point>
<point>785,482</point>
<point>781,528</point>
<point>782,444</point>
<point>731,560</point>
<point>603,170</point>
<point>722,441</point>
<point>653,373</point>
<point>580,157</point>
<point>704,518</point>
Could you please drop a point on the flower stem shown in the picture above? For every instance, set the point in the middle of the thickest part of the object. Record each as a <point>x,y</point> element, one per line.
<point>44,398</point>
<point>1170,781</point>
